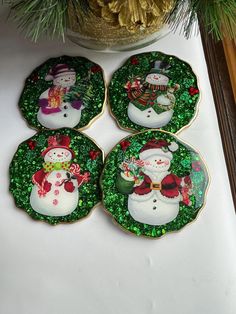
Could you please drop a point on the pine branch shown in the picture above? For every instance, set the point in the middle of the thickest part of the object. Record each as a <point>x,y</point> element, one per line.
<point>218,16</point>
<point>50,17</point>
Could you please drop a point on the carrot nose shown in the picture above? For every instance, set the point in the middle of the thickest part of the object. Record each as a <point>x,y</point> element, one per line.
<point>58,155</point>
<point>160,162</point>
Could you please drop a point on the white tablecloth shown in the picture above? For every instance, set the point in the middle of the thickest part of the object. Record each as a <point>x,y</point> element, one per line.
<point>92,266</point>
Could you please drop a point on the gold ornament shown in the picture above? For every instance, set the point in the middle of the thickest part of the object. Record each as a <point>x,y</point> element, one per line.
<point>119,22</point>
<point>132,14</point>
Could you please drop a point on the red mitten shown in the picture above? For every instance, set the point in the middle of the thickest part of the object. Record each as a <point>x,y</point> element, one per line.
<point>69,186</point>
<point>188,181</point>
<point>47,186</point>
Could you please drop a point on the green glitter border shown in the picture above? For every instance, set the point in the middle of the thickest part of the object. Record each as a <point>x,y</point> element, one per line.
<point>33,92</point>
<point>127,223</point>
<point>117,86</point>
<point>90,193</point>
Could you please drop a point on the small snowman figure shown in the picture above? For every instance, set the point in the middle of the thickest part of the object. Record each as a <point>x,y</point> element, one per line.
<point>152,101</point>
<point>55,111</point>
<point>155,195</point>
<point>56,186</point>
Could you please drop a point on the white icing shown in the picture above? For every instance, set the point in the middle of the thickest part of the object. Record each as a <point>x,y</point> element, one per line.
<point>57,202</point>
<point>154,208</point>
<point>68,116</point>
<point>65,80</point>
<point>148,117</point>
<point>58,155</point>
<point>54,204</point>
<point>157,79</point>
<point>155,165</point>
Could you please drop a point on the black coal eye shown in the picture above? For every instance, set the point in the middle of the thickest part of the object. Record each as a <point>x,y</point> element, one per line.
<point>155,160</point>
<point>54,153</point>
<point>62,153</point>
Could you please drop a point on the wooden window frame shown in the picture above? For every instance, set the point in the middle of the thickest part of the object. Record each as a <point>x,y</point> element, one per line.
<point>222,76</point>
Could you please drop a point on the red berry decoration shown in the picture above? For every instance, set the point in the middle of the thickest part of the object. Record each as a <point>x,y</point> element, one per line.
<point>134,61</point>
<point>193,91</point>
<point>93,154</point>
<point>69,186</point>
<point>96,69</point>
<point>32,144</point>
<point>124,145</point>
<point>35,78</point>
<point>196,166</point>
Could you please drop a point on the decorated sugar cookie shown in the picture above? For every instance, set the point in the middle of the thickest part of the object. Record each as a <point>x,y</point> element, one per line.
<point>63,92</point>
<point>55,174</point>
<point>153,183</point>
<point>154,90</point>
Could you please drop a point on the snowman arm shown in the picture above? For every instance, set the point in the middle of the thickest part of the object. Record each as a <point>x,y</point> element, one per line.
<point>83,178</point>
<point>43,98</point>
<point>186,181</point>
<point>43,102</point>
<point>39,177</point>
<point>125,186</point>
<point>77,104</point>
<point>177,180</point>
<point>40,180</point>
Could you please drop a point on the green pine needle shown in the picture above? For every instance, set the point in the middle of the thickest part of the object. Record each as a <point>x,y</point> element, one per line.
<point>50,17</point>
<point>218,16</point>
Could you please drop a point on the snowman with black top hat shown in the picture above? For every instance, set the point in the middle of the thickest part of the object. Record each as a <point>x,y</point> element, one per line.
<point>152,101</point>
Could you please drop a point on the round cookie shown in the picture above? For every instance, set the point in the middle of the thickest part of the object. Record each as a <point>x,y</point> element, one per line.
<point>63,92</point>
<point>153,183</point>
<point>154,90</point>
<point>54,176</point>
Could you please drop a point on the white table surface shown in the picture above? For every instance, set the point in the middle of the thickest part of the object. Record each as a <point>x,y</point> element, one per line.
<point>92,266</point>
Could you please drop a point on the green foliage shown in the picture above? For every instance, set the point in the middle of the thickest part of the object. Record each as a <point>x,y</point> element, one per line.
<point>218,17</point>
<point>50,17</point>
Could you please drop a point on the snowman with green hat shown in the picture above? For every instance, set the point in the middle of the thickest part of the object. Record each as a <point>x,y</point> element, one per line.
<point>152,102</point>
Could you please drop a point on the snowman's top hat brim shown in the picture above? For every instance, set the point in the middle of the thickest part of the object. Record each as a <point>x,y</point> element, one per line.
<point>57,146</point>
<point>160,67</point>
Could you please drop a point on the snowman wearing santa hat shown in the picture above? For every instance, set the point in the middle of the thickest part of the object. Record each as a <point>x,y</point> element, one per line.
<point>56,186</point>
<point>55,111</point>
<point>154,195</point>
<point>152,101</point>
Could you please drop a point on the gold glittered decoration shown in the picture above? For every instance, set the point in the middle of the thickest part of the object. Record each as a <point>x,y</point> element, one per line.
<point>119,22</point>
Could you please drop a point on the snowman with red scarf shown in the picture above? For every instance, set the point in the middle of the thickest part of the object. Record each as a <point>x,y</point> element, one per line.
<point>155,199</point>
<point>56,186</point>
<point>55,111</point>
<point>152,101</point>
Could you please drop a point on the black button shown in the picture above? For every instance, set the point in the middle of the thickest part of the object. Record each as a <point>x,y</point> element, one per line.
<point>65,107</point>
<point>65,115</point>
<point>154,201</point>
<point>154,207</point>
<point>148,116</point>
<point>149,111</point>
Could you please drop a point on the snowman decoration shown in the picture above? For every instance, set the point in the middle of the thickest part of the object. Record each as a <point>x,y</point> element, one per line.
<point>55,111</point>
<point>155,194</point>
<point>56,186</point>
<point>152,101</point>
